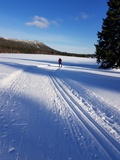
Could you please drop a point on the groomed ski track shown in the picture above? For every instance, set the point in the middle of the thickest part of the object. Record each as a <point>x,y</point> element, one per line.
<point>108,143</point>
<point>74,133</point>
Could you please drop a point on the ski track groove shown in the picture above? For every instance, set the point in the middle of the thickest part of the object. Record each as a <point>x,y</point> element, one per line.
<point>12,89</point>
<point>95,105</point>
<point>11,86</point>
<point>110,146</point>
<point>12,82</point>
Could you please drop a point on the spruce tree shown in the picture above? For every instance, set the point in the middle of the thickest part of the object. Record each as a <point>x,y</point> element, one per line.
<point>108,47</point>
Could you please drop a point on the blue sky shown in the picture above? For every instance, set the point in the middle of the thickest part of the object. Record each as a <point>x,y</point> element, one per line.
<point>65,25</point>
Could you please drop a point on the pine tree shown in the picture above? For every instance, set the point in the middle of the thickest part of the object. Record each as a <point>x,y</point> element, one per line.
<point>108,47</point>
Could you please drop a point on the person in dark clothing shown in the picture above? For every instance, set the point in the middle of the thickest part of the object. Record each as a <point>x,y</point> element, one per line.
<point>60,62</point>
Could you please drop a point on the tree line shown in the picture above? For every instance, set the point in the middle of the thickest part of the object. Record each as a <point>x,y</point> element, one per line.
<point>108,47</point>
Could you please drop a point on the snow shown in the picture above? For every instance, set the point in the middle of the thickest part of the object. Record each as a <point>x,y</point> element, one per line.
<point>52,113</point>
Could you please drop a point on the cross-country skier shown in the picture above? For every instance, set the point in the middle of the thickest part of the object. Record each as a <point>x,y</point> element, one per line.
<point>60,62</point>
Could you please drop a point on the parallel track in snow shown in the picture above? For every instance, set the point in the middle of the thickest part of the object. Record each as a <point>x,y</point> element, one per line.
<point>9,83</point>
<point>108,143</point>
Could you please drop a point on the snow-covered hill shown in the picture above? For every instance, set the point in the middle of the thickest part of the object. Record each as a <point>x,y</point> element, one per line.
<point>25,46</point>
<point>52,113</point>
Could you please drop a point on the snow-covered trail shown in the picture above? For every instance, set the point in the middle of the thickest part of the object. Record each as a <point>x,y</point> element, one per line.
<point>77,103</point>
<point>46,115</point>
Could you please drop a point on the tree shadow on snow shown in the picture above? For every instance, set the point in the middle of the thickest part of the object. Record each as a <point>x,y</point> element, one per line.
<point>29,129</point>
<point>82,76</point>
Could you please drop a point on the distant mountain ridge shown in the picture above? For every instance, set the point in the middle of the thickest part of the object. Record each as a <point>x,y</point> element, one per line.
<point>32,47</point>
<point>25,46</point>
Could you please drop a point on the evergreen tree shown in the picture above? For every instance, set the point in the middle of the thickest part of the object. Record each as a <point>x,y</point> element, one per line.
<point>108,47</point>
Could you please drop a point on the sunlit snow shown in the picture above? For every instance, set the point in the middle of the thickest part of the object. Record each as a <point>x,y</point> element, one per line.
<point>58,113</point>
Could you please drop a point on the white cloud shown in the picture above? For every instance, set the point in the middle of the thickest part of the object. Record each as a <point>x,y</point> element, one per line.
<point>40,22</point>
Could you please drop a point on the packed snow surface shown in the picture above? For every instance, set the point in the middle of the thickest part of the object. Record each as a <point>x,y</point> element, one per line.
<point>52,113</point>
